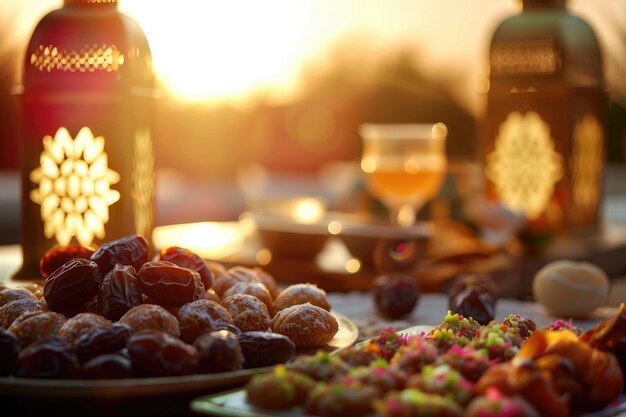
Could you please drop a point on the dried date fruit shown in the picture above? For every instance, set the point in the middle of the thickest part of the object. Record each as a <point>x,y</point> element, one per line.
<point>188,259</point>
<point>72,285</point>
<point>107,367</point>
<point>218,351</point>
<point>55,257</point>
<point>50,357</point>
<point>9,349</point>
<point>101,340</point>
<point>265,348</point>
<point>119,292</point>
<point>484,282</point>
<point>133,250</point>
<point>476,303</point>
<point>170,284</point>
<point>395,295</point>
<point>155,353</point>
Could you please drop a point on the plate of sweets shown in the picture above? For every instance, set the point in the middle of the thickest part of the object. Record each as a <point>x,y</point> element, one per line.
<point>118,323</point>
<point>459,368</point>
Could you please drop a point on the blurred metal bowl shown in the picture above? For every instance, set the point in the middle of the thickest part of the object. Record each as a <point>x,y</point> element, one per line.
<point>385,246</point>
<point>285,237</point>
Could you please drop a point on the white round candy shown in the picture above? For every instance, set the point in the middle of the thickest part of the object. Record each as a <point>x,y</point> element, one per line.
<point>571,289</point>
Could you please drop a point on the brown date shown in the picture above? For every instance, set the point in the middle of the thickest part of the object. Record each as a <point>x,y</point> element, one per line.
<point>133,250</point>
<point>119,292</point>
<point>169,284</point>
<point>218,351</point>
<point>50,357</point>
<point>395,295</point>
<point>265,348</point>
<point>107,367</point>
<point>474,302</point>
<point>101,340</point>
<point>57,256</point>
<point>187,259</point>
<point>155,353</point>
<point>9,349</point>
<point>72,285</point>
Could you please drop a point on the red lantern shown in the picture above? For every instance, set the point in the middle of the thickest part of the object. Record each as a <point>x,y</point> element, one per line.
<point>86,150</point>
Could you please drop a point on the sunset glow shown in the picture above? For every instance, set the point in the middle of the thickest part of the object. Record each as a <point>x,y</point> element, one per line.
<point>208,51</point>
<point>212,50</point>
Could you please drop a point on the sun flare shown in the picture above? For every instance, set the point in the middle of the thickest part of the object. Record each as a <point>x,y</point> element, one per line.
<point>213,50</point>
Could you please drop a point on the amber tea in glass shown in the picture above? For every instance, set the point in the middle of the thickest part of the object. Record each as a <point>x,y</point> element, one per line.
<point>404,165</point>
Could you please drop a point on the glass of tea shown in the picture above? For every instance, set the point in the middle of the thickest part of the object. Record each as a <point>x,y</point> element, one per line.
<point>404,165</point>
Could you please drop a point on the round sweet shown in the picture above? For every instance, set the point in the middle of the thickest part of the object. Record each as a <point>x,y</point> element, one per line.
<point>379,375</point>
<point>156,353</point>
<point>13,309</point>
<point>12,294</point>
<point>413,402</point>
<point>279,390</point>
<point>301,294</point>
<point>201,316</point>
<point>218,351</point>
<point>267,280</point>
<point>571,289</point>
<point>445,381</point>
<point>81,323</point>
<point>471,363</point>
<point>35,325</point>
<point>151,316</point>
<point>255,289</point>
<point>306,324</point>
<point>248,312</point>
<point>232,276</point>
<point>494,404</point>
<point>338,400</point>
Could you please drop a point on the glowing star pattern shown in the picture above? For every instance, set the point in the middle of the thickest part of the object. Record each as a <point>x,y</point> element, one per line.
<point>586,162</point>
<point>74,187</point>
<point>524,167</point>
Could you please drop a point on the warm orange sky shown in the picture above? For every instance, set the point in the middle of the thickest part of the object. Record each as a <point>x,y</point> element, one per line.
<point>205,50</point>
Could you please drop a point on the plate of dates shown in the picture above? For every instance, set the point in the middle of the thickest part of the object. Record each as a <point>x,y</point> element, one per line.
<point>266,348</point>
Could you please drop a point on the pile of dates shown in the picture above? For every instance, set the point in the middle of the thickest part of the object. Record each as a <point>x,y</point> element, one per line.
<point>118,313</point>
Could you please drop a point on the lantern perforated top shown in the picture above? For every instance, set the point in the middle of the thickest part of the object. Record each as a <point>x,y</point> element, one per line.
<point>90,37</point>
<point>546,40</point>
